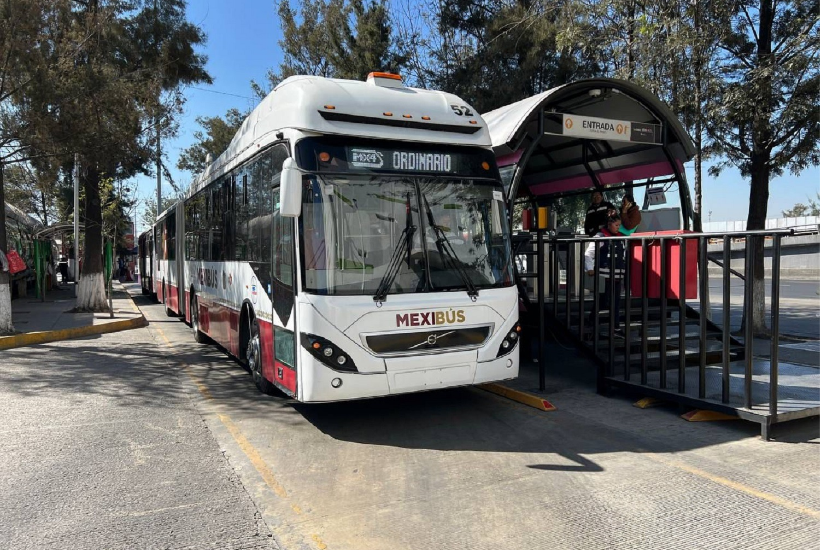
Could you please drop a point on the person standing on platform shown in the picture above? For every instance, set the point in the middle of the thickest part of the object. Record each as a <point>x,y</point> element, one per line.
<point>597,214</point>
<point>630,215</point>
<point>612,260</point>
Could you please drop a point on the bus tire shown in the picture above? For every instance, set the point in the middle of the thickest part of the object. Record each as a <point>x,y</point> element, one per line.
<point>199,336</point>
<point>254,355</point>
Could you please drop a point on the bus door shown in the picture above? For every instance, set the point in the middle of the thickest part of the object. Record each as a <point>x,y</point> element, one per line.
<point>282,294</point>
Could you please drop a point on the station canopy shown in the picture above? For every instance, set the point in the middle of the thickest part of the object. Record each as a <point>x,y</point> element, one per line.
<point>589,134</point>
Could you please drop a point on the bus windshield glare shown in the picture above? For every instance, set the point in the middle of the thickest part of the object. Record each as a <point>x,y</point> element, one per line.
<point>406,233</point>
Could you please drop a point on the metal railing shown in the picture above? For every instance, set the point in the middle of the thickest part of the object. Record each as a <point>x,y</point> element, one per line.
<point>659,273</point>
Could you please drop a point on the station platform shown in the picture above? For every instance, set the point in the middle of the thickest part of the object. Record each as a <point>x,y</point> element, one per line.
<point>47,320</point>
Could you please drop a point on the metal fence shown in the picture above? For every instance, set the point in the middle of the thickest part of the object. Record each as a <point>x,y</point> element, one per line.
<point>665,345</point>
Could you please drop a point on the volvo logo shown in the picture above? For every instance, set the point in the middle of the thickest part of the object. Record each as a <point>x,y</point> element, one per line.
<point>431,340</point>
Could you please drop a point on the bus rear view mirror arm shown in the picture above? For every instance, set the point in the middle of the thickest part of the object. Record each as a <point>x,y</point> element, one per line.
<point>291,192</point>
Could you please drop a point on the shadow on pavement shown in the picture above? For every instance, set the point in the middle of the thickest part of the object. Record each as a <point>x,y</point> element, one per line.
<point>140,369</point>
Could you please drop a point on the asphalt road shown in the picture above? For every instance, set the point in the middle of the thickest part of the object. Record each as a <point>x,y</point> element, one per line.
<point>102,447</point>
<point>799,305</point>
<point>145,439</point>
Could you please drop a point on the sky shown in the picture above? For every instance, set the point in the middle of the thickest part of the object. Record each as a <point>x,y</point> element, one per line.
<point>243,37</point>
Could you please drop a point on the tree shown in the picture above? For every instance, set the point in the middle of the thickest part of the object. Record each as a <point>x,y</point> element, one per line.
<point>24,52</point>
<point>127,62</point>
<point>800,209</point>
<point>149,214</point>
<point>494,53</point>
<point>213,139</point>
<point>766,120</point>
<point>335,39</point>
<point>33,191</point>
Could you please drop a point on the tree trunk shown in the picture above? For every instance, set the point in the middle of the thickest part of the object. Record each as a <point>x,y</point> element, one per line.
<point>91,292</point>
<point>697,222</point>
<point>758,206</point>
<point>760,157</point>
<point>6,325</point>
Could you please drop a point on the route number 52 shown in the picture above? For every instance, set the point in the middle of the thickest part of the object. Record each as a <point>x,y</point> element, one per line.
<point>461,110</point>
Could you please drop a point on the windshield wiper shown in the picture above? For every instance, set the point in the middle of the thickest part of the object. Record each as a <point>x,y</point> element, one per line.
<point>445,249</point>
<point>395,262</point>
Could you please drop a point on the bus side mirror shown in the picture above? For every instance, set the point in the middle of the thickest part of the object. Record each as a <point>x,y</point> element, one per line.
<point>290,195</point>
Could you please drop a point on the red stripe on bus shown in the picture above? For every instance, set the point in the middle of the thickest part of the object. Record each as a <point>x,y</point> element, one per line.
<point>266,341</point>
<point>204,318</point>
<point>173,298</point>
<point>286,376</point>
<point>187,308</point>
<point>233,331</point>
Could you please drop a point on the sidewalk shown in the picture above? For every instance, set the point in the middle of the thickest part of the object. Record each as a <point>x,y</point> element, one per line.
<point>38,321</point>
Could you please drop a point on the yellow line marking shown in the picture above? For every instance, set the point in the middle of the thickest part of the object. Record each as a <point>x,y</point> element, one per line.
<point>250,451</point>
<point>254,456</point>
<point>203,389</point>
<point>799,508</point>
<point>167,341</point>
<point>519,396</point>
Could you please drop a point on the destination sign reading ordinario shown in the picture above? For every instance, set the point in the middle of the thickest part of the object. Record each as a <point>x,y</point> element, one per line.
<point>365,157</point>
<point>400,161</point>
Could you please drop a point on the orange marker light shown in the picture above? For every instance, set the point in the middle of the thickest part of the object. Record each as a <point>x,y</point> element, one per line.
<point>407,116</point>
<point>324,157</point>
<point>391,76</point>
<point>387,113</point>
<point>473,122</point>
<point>330,107</point>
<point>425,118</point>
<point>316,345</point>
<point>485,165</point>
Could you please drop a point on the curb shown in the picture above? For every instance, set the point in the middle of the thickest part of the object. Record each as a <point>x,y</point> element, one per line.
<point>519,396</point>
<point>32,338</point>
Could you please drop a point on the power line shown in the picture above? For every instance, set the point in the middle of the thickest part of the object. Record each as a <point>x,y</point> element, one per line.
<point>223,93</point>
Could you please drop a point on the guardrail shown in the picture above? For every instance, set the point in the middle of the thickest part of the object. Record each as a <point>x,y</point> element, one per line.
<point>656,348</point>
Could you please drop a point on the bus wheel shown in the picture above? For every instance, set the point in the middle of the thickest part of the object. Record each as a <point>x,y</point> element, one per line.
<point>254,355</point>
<point>199,336</point>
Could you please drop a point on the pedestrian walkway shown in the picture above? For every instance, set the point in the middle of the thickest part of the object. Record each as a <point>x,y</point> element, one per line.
<point>37,320</point>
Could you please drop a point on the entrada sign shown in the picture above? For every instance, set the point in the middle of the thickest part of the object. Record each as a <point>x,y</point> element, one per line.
<point>608,129</point>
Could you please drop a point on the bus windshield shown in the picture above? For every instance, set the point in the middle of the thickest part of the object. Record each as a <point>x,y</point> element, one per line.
<point>416,234</point>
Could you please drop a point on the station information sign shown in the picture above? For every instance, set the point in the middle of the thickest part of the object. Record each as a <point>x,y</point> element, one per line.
<point>608,129</point>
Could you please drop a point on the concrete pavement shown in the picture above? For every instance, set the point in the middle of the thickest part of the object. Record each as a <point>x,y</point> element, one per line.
<point>103,448</point>
<point>463,468</point>
<point>145,439</point>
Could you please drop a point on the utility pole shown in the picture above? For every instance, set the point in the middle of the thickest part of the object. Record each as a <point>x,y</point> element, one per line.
<point>76,222</point>
<point>159,171</point>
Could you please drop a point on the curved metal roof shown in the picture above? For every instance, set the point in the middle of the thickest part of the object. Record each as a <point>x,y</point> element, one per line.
<point>528,134</point>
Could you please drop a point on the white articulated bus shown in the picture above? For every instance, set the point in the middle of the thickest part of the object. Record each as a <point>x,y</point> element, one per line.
<point>351,242</point>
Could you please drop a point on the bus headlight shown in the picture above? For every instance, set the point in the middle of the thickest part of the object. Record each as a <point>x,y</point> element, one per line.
<point>327,353</point>
<point>509,341</point>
